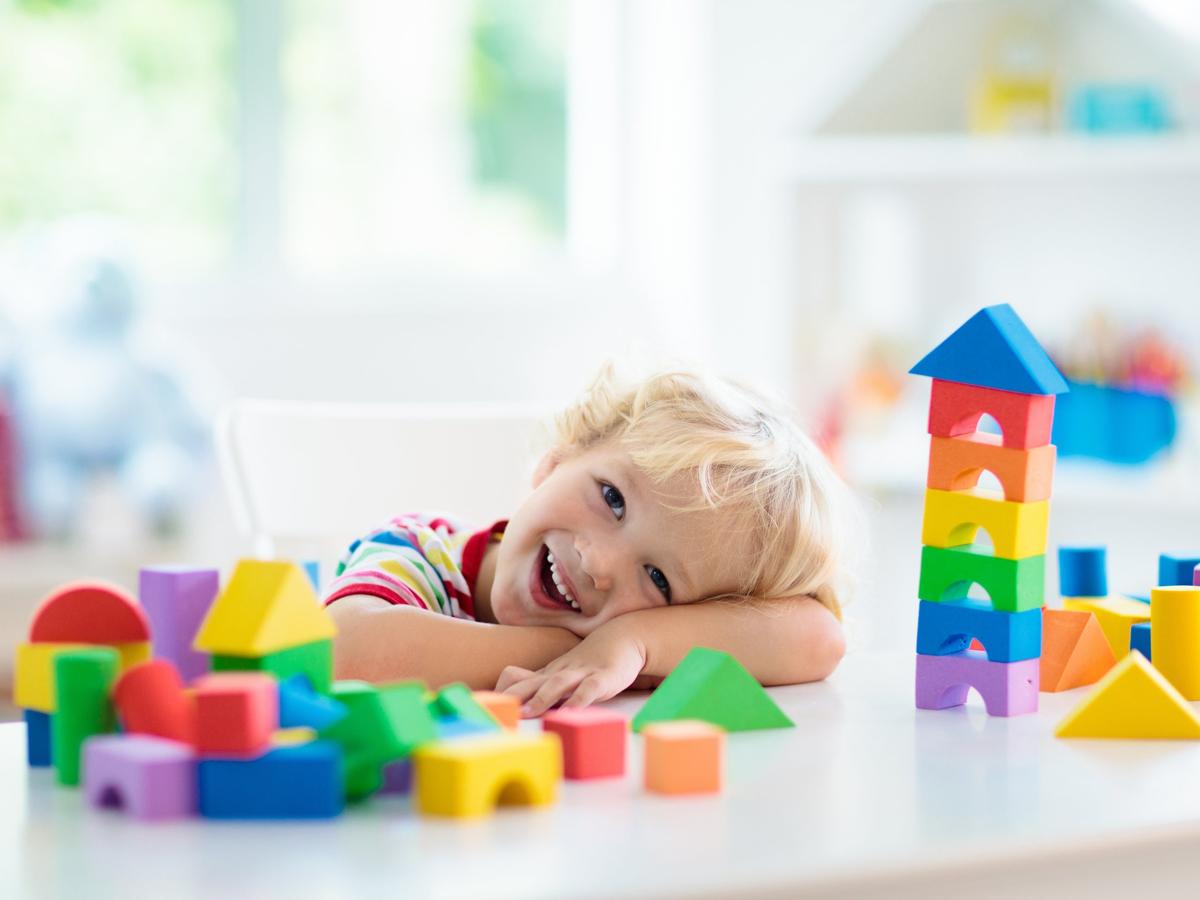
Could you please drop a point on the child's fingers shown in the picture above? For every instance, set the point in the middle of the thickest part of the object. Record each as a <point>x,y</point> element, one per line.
<point>590,690</point>
<point>523,690</point>
<point>556,686</point>
<point>510,676</point>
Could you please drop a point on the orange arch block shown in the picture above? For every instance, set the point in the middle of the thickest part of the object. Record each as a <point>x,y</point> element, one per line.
<point>89,612</point>
<point>1075,651</point>
<point>955,464</point>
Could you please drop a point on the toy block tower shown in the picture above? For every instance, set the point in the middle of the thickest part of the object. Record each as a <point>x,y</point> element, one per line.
<point>991,365</point>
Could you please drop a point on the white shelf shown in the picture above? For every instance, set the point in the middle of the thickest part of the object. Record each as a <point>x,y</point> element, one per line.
<point>963,157</point>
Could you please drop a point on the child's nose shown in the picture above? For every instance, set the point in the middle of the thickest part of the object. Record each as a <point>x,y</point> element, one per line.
<point>596,565</point>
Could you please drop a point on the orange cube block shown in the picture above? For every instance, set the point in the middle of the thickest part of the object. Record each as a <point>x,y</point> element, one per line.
<point>955,464</point>
<point>505,708</point>
<point>684,757</point>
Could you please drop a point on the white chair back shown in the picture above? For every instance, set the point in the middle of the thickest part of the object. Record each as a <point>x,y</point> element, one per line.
<point>310,477</point>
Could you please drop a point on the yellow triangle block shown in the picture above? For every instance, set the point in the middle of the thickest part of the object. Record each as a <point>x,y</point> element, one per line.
<point>1133,700</point>
<point>265,608</point>
<point>1116,616</point>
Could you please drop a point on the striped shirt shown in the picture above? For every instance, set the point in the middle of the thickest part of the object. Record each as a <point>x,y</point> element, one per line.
<point>431,562</point>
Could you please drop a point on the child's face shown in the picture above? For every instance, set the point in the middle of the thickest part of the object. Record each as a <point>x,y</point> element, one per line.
<point>595,522</point>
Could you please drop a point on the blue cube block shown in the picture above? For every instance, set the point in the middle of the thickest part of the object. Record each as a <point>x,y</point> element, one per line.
<point>305,781</point>
<point>1139,638</point>
<point>37,737</point>
<point>945,628</point>
<point>1174,569</point>
<point>1082,572</point>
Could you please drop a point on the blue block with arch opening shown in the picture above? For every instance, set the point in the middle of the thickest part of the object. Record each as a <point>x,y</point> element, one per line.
<point>1012,585</point>
<point>945,628</point>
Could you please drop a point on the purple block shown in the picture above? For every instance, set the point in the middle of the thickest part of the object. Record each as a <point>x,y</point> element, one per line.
<point>1008,689</point>
<point>150,778</point>
<point>177,598</point>
<point>397,777</point>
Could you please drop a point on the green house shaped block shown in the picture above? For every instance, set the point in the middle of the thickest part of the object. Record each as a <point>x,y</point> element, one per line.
<point>714,687</point>
<point>314,659</point>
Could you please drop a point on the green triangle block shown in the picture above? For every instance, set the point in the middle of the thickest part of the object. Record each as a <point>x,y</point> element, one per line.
<point>714,687</point>
<point>456,701</point>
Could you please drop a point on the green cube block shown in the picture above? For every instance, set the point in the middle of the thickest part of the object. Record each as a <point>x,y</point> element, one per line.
<point>314,660</point>
<point>714,687</point>
<point>1013,585</point>
<point>83,681</point>
<point>366,736</point>
<point>410,717</point>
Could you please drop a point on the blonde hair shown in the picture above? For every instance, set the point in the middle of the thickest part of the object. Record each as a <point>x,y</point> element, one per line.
<point>744,455</point>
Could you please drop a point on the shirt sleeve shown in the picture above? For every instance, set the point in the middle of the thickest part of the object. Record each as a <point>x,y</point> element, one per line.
<point>402,564</point>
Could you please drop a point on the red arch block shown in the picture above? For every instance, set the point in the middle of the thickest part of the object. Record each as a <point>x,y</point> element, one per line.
<point>89,612</point>
<point>1025,419</point>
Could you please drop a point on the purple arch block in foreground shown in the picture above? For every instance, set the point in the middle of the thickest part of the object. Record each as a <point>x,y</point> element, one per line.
<point>1008,689</point>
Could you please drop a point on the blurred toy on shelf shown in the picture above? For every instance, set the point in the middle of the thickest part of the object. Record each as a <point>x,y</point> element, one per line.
<point>1125,382</point>
<point>1015,91</point>
<point>1118,109</point>
<point>91,396</point>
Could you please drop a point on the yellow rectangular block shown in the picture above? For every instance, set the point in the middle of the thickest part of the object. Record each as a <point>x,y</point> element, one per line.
<point>471,776</point>
<point>33,678</point>
<point>953,518</point>
<point>1116,616</point>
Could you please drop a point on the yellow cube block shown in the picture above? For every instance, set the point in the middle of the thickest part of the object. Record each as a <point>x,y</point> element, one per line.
<point>953,518</point>
<point>33,678</point>
<point>470,777</point>
<point>1116,616</point>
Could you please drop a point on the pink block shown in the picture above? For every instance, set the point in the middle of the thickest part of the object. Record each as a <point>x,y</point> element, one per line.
<point>1196,576</point>
<point>593,741</point>
<point>236,712</point>
<point>1008,689</point>
<point>148,777</point>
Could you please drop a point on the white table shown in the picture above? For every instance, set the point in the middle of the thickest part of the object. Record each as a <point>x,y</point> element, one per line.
<point>868,797</point>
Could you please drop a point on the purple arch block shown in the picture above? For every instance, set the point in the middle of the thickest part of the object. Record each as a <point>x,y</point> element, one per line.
<point>1008,689</point>
<point>147,777</point>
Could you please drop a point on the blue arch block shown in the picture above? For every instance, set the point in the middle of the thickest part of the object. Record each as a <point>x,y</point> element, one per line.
<point>945,628</point>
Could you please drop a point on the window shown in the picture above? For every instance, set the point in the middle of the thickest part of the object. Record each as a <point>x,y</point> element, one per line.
<point>320,137</point>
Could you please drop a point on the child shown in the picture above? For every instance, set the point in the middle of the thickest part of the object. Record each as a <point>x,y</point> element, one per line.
<point>677,512</point>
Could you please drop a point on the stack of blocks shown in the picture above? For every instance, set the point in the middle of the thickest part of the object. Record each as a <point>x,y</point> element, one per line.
<point>992,365</point>
<point>236,715</point>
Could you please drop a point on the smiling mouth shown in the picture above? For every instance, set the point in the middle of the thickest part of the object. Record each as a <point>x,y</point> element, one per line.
<point>551,592</point>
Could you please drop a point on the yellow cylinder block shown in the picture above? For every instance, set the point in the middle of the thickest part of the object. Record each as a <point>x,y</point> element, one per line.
<point>1175,636</point>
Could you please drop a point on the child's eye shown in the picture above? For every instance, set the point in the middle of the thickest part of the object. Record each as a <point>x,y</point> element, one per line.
<point>660,581</point>
<point>613,498</point>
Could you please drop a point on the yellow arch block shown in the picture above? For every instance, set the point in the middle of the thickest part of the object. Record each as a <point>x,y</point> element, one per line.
<point>470,777</point>
<point>33,678</point>
<point>1116,616</point>
<point>953,518</point>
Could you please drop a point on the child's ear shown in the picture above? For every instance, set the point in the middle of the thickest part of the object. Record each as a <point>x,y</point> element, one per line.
<point>546,465</point>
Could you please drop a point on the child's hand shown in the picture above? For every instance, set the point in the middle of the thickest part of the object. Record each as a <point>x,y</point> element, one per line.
<point>600,666</point>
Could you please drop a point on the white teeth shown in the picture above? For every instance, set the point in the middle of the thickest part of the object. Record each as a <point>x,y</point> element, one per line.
<point>558,582</point>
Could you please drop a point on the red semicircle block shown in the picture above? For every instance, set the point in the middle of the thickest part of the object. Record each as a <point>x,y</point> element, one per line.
<point>89,612</point>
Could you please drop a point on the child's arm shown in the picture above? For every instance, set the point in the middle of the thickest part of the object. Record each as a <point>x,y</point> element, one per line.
<point>377,641</point>
<point>781,642</point>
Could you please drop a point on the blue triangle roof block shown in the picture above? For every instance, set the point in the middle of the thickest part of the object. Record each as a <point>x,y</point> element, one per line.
<point>994,349</point>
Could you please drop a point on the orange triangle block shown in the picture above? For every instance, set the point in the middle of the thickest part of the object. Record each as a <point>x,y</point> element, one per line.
<point>1075,651</point>
<point>1133,700</point>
